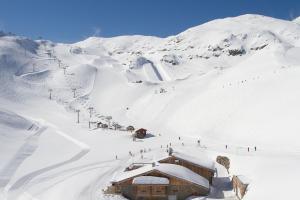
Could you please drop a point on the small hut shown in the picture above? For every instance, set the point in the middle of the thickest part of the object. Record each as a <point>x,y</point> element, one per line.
<point>140,133</point>
<point>102,125</point>
<point>130,128</point>
<point>99,124</point>
<point>117,126</point>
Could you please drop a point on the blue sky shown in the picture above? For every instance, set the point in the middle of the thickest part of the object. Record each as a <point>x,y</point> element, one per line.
<point>74,20</point>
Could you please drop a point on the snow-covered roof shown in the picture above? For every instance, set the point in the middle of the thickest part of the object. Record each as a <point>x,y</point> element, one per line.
<point>243,179</point>
<point>201,160</point>
<point>133,173</point>
<point>168,169</point>
<point>150,180</point>
<point>182,173</point>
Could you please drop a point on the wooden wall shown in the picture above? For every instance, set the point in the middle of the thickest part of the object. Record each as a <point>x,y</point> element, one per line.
<point>182,189</point>
<point>239,188</point>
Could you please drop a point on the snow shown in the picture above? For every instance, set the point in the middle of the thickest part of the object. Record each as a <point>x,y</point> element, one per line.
<point>235,82</point>
<point>183,173</point>
<point>150,180</point>
<point>199,159</point>
<point>243,179</point>
<point>297,20</point>
<point>133,173</point>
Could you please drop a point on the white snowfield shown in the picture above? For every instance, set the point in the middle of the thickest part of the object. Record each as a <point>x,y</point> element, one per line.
<point>232,81</point>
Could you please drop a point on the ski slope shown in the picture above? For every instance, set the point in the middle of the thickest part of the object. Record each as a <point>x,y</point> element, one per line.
<point>230,81</point>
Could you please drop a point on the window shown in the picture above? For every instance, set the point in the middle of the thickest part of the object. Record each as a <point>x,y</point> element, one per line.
<point>159,190</point>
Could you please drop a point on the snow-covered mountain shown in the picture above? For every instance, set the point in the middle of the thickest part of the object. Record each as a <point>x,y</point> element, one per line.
<point>232,81</point>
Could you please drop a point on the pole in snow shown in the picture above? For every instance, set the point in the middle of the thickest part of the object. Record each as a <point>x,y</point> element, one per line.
<point>33,67</point>
<point>74,92</point>
<point>50,94</point>
<point>65,69</point>
<point>59,63</point>
<point>91,110</point>
<point>78,111</point>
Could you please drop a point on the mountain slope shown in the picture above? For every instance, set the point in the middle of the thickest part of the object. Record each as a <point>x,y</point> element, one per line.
<point>232,81</point>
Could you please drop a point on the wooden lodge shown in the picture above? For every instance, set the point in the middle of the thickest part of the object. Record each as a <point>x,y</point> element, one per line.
<point>140,133</point>
<point>130,128</point>
<point>101,125</point>
<point>160,182</point>
<point>202,165</point>
<point>240,184</point>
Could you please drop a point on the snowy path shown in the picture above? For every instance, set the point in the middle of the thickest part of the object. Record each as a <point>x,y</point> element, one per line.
<point>26,150</point>
<point>23,183</point>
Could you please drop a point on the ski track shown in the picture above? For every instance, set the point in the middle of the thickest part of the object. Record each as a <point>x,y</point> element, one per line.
<point>24,182</point>
<point>27,149</point>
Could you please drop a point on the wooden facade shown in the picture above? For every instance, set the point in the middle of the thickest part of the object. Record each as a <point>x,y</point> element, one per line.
<point>101,125</point>
<point>239,187</point>
<point>202,171</point>
<point>140,133</point>
<point>177,189</point>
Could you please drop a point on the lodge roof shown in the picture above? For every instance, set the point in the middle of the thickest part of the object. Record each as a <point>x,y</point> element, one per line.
<point>168,169</point>
<point>141,129</point>
<point>243,179</point>
<point>200,160</point>
<point>150,180</point>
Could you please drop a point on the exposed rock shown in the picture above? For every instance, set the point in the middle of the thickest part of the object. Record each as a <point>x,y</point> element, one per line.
<point>236,52</point>
<point>172,59</point>
<point>259,47</point>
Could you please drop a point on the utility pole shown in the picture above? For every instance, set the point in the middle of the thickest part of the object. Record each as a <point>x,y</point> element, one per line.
<point>91,110</point>
<point>33,67</point>
<point>74,92</point>
<point>65,69</point>
<point>78,111</point>
<point>59,63</point>
<point>50,93</point>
